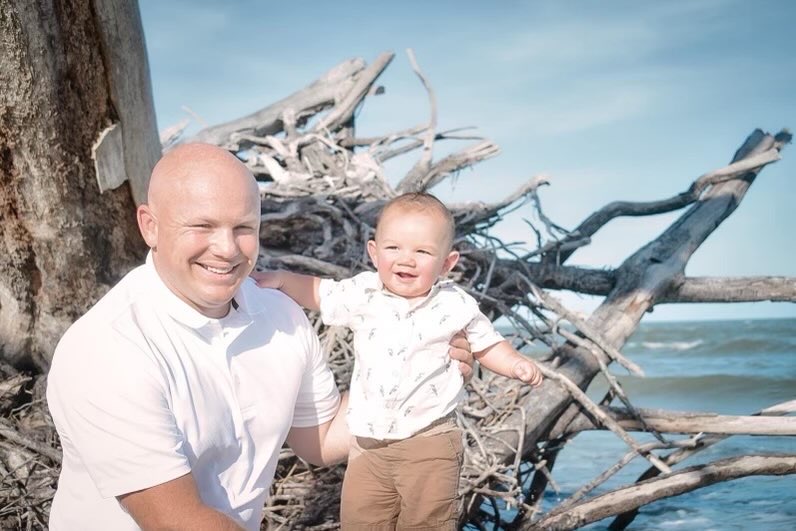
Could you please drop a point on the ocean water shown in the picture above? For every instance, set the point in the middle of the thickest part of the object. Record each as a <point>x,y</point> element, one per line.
<point>728,367</point>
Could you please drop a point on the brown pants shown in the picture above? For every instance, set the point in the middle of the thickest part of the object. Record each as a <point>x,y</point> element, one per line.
<point>408,484</point>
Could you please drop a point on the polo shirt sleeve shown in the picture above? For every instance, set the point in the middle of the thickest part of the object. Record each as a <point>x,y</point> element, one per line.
<point>339,299</point>
<point>109,404</point>
<point>318,398</point>
<point>481,333</point>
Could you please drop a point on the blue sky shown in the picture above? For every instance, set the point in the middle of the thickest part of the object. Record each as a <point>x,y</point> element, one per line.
<point>611,100</point>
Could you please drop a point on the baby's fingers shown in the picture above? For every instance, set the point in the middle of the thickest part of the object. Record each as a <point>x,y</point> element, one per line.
<point>536,379</point>
<point>522,371</point>
<point>527,372</point>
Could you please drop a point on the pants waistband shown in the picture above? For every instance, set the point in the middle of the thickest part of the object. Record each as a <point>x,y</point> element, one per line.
<point>441,425</point>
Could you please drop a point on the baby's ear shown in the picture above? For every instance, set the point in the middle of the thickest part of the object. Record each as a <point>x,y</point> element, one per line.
<point>372,252</point>
<point>450,262</point>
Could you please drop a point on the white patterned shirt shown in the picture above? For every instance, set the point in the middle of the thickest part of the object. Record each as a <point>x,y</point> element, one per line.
<point>403,377</point>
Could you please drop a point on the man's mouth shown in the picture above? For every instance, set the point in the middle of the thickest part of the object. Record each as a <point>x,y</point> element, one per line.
<point>218,270</point>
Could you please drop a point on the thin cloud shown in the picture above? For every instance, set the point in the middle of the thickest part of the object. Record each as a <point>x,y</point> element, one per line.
<point>607,39</point>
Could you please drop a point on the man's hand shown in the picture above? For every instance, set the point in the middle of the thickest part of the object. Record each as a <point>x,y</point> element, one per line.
<point>268,279</point>
<point>460,350</point>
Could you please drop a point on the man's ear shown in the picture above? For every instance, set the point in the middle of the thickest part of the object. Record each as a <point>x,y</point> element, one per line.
<point>148,225</point>
<point>450,261</point>
<point>373,253</point>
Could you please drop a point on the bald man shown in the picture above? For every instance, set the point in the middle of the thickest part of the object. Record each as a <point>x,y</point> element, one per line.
<point>173,395</point>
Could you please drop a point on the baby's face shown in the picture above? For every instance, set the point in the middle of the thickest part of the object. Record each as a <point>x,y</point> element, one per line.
<point>411,251</point>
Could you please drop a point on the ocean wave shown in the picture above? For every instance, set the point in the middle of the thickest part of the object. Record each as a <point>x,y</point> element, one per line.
<point>671,345</point>
<point>711,346</point>
<point>752,345</point>
<point>714,384</point>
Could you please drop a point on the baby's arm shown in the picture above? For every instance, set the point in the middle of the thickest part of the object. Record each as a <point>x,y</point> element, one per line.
<point>301,288</point>
<point>504,359</point>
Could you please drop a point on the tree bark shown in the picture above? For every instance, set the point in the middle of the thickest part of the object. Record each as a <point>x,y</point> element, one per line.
<point>63,67</point>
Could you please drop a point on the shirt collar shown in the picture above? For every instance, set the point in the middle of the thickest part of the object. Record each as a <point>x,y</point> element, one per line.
<point>376,285</point>
<point>237,318</point>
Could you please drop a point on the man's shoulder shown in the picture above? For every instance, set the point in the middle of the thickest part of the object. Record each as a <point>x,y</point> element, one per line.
<point>95,343</point>
<point>120,304</point>
<point>267,303</point>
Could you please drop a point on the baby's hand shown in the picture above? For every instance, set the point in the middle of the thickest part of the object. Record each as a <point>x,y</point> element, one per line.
<point>267,279</point>
<point>528,372</point>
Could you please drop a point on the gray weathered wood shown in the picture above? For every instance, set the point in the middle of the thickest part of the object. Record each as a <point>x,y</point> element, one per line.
<point>691,422</point>
<point>640,279</point>
<point>108,155</point>
<point>320,95</point>
<point>127,67</point>
<point>685,480</point>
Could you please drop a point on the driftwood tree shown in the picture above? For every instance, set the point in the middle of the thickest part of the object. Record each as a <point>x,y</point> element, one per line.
<point>76,121</point>
<point>322,186</point>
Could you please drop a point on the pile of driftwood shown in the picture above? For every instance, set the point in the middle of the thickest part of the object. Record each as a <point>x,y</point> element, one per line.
<point>322,187</point>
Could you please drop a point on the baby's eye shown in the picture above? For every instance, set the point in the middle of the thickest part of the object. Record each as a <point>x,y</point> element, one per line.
<point>391,247</point>
<point>423,251</point>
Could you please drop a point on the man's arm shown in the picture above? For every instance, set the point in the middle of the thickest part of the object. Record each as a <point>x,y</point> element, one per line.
<point>325,444</point>
<point>175,505</point>
<point>301,288</point>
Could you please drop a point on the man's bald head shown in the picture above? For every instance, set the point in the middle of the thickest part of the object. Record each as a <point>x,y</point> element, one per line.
<point>202,221</point>
<point>189,164</point>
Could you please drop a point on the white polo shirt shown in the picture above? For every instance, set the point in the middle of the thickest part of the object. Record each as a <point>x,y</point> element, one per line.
<point>144,389</point>
<point>403,378</point>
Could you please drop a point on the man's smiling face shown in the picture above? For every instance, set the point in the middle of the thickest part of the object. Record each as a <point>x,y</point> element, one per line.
<point>202,223</point>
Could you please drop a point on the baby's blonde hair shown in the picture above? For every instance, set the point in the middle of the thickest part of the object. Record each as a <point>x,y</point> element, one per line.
<point>420,202</point>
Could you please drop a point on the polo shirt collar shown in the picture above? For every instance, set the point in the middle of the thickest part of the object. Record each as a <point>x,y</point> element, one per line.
<point>237,319</point>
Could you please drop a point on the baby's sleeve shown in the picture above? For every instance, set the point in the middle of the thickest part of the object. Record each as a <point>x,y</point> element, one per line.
<point>481,333</point>
<point>338,300</point>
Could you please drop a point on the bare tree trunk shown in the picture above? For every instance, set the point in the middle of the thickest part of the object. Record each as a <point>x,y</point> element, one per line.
<point>685,480</point>
<point>70,71</point>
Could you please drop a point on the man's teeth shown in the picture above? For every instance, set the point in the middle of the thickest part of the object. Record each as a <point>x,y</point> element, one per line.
<point>218,270</point>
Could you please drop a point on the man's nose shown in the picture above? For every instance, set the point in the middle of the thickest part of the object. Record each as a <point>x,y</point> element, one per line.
<point>223,243</point>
